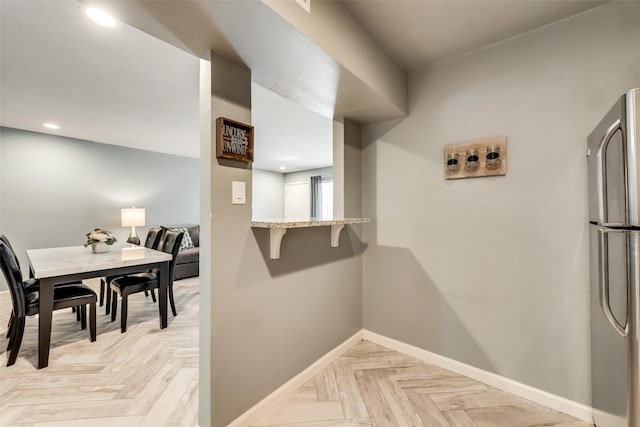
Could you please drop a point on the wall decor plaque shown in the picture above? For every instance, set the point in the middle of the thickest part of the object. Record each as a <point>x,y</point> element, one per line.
<point>234,140</point>
<point>483,157</point>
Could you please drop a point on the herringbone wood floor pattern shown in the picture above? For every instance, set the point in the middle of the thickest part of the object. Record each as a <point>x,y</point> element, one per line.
<point>149,377</point>
<point>145,377</point>
<point>371,385</point>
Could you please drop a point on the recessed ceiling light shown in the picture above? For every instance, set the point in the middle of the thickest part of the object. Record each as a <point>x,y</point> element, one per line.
<point>282,168</point>
<point>50,125</point>
<point>100,17</point>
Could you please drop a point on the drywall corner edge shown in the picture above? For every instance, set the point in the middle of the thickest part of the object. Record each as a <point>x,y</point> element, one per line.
<point>257,411</point>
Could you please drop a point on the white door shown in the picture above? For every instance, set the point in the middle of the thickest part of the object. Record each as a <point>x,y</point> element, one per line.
<point>327,199</point>
<point>297,204</point>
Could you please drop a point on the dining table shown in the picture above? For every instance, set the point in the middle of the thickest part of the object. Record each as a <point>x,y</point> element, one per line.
<point>53,266</point>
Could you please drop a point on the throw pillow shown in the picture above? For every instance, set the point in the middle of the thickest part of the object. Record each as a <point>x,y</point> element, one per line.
<point>187,243</point>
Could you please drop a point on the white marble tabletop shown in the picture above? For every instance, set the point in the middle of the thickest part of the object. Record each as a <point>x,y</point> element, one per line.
<point>52,262</point>
<point>304,222</point>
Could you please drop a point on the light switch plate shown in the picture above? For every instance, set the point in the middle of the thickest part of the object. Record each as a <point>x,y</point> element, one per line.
<point>238,193</point>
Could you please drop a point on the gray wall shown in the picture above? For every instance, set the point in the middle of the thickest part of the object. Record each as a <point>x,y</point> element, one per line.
<point>268,194</point>
<point>55,189</point>
<point>271,318</point>
<point>2,284</point>
<point>493,272</point>
<point>352,174</point>
<point>268,189</point>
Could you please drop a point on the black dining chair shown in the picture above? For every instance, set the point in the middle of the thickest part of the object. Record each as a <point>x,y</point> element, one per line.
<point>154,236</point>
<point>25,302</point>
<point>4,239</point>
<point>29,285</point>
<point>140,282</point>
<point>29,282</point>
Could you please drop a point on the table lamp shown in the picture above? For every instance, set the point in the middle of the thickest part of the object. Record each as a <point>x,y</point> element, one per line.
<point>132,217</point>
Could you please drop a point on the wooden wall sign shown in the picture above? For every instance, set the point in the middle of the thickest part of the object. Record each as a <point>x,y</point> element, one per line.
<point>234,140</point>
<point>484,157</point>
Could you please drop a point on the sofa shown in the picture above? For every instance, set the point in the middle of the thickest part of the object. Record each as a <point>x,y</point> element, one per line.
<point>188,259</point>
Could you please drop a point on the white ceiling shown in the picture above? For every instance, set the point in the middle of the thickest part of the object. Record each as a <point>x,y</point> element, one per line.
<point>127,88</point>
<point>421,33</point>
<point>117,86</point>
<point>287,134</point>
<point>124,87</point>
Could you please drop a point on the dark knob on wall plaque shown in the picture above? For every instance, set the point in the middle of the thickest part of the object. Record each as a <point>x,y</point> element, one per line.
<point>453,164</point>
<point>473,163</point>
<point>493,158</point>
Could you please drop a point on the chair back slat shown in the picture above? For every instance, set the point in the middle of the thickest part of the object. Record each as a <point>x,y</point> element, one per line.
<point>13,276</point>
<point>154,235</point>
<point>171,244</point>
<point>6,241</point>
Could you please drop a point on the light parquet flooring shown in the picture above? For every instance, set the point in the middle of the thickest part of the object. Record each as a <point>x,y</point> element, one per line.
<point>149,377</point>
<point>145,377</point>
<point>371,385</point>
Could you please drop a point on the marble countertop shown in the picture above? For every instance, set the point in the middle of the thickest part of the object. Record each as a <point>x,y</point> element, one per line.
<point>302,223</point>
<point>78,259</point>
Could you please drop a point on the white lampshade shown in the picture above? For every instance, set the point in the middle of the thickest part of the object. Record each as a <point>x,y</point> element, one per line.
<point>132,217</point>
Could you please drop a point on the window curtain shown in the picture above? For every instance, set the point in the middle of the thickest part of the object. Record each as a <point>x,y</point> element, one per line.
<point>316,196</point>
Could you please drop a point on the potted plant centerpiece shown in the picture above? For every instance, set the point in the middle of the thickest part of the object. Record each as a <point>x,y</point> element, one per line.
<point>100,240</point>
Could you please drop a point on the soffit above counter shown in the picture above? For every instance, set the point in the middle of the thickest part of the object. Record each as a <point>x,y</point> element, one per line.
<point>350,77</point>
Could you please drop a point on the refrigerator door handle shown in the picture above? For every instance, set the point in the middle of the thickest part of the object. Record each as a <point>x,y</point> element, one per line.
<point>603,257</point>
<point>601,174</point>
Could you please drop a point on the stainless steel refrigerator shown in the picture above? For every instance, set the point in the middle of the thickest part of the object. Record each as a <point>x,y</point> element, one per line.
<point>614,215</point>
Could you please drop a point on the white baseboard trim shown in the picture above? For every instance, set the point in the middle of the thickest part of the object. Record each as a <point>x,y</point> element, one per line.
<point>260,409</point>
<point>544,398</point>
<point>609,420</point>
